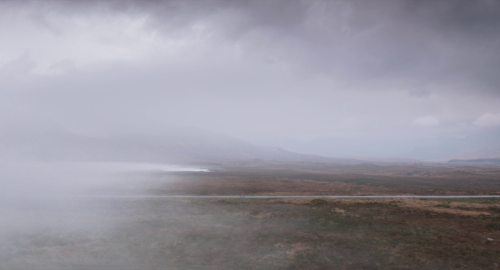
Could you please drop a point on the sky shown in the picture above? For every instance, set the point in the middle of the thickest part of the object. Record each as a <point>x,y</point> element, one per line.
<point>280,73</point>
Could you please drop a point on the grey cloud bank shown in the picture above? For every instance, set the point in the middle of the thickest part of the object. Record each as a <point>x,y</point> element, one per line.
<point>371,78</point>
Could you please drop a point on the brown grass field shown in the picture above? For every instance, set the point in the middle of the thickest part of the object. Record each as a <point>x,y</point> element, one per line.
<point>295,233</point>
<point>267,178</point>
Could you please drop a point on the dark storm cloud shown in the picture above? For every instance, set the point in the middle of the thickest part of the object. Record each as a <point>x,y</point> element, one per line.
<point>407,44</point>
<point>404,44</point>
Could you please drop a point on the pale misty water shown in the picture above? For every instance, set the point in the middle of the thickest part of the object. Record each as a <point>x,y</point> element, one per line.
<point>137,167</point>
<point>59,178</point>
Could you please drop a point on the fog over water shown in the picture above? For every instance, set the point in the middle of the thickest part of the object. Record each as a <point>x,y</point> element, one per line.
<point>52,219</point>
<point>45,179</point>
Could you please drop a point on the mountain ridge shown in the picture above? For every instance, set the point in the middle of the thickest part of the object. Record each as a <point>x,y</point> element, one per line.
<point>177,145</point>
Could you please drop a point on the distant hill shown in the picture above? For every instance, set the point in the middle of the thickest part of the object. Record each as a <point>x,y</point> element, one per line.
<point>485,144</point>
<point>476,160</point>
<point>177,145</point>
<point>383,160</point>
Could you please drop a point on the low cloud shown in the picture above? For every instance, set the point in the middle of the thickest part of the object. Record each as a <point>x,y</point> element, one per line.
<point>488,120</point>
<point>350,123</point>
<point>426,121</point>
<point>252,69</point>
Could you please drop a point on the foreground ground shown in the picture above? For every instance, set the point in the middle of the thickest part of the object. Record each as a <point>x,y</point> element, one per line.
<point>299,233</point>
<point>255,234</point>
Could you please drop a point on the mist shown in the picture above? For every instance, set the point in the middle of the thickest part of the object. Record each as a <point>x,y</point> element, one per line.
<point>57,215</point>
<point>124,97</point>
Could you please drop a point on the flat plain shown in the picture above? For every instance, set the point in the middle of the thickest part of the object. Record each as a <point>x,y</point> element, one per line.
<point>292,233</point>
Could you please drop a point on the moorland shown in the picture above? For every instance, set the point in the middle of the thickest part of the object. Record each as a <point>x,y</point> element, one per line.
<point>285,233</point>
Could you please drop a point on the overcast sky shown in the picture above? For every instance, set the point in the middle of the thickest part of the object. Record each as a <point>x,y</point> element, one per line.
<point>263,71</point>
